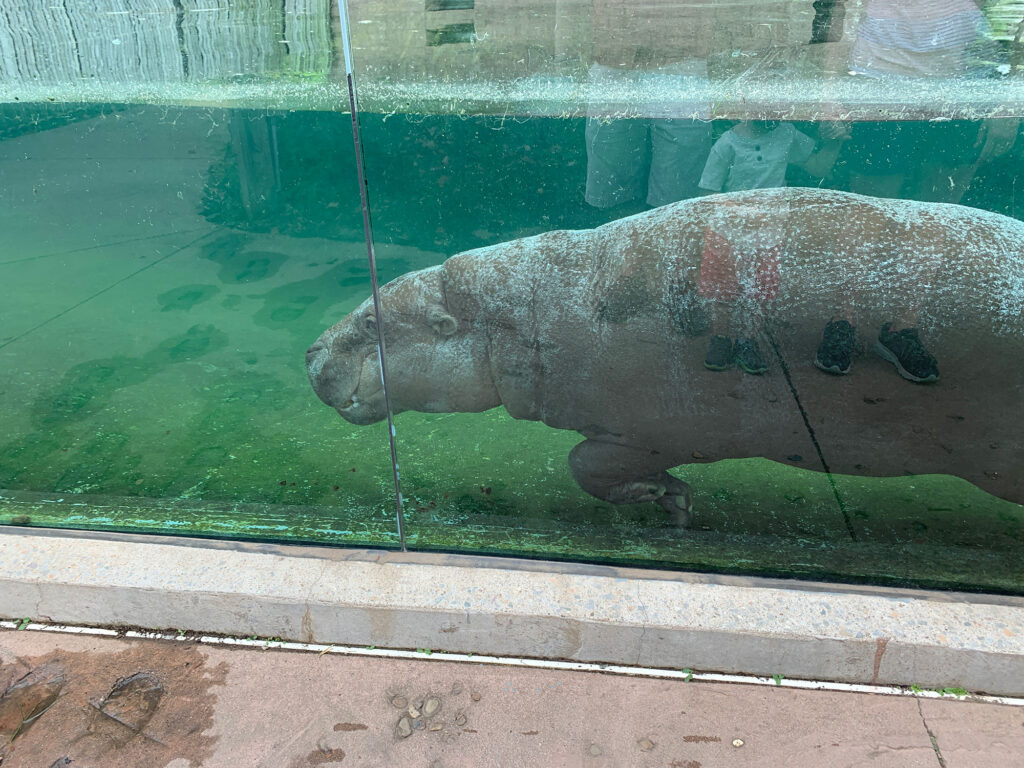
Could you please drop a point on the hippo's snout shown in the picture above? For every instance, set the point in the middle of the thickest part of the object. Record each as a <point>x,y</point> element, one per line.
<point>316,359</point>
<point>317,347</point>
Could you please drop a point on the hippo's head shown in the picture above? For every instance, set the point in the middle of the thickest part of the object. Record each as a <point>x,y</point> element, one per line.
<point>435,362</point>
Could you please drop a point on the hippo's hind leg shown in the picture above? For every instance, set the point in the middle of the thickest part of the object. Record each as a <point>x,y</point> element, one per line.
<point>623,474</point>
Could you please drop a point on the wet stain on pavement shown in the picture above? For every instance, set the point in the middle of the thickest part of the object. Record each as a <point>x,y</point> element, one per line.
<point>128,708</point>
<point>144,706</point>
<point>321,756</point>
<point>28,698</point>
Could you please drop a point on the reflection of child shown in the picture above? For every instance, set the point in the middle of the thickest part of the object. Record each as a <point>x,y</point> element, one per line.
<point>751,155</point>
<point>756,153</point>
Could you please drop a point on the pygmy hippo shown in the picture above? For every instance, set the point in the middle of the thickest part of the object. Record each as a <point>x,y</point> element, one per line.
<point>599,331</point>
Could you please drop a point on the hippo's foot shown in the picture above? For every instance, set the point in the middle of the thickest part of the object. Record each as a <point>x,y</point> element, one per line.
<point>599,467</point>
<point>679,506</point>
<point>634,492</point>
<point>671,493</point>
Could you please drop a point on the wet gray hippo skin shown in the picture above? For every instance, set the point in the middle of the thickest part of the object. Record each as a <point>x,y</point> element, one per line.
<point>602,331</point>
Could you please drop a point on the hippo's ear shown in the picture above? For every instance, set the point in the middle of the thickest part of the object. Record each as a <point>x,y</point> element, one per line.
<point>443,323</point>
<point>369,322</point>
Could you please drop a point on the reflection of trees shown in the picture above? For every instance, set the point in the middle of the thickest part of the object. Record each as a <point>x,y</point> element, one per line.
<point>19,119</point>
<point>285,173</point>
<point>162,41</point>
<point>437,183</point>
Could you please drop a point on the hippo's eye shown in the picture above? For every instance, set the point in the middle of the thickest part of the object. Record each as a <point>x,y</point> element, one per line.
<point>370,323</point>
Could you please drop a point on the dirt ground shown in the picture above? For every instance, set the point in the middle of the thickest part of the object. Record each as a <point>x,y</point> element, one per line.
<point>99,702</point>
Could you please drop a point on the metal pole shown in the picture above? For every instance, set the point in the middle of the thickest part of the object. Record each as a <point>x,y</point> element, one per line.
<point>364,199</point>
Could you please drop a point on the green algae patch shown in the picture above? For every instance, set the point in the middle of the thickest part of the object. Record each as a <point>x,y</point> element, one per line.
<point>352,526</point>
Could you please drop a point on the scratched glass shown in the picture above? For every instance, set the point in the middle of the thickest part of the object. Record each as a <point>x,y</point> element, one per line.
<point>721,287</point>
<point>686,288</point>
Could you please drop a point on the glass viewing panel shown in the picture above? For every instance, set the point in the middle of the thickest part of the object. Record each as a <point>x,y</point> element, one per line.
<point>732,287</point>
<point>164,268</point>
<point>718,286</point>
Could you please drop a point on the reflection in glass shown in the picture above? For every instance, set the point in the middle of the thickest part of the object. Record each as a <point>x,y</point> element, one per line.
<point>601,112</point>
<point>563,247</point>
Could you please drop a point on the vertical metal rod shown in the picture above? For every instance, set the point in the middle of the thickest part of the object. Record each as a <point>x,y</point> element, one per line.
<point>364,199</point>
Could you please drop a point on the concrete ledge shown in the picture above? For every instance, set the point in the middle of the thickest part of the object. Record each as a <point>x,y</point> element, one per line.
<point>509,607</point>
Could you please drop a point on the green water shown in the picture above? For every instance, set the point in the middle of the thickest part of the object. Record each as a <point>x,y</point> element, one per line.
<point>164,270</point>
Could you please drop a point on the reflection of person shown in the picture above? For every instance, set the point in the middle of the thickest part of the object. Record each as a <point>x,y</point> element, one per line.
<point>642,53</point>
<point>739,272</point>
<point>652,160</point>
<point>899,39</point>
<point>751,155</point>
<point>756,153</point>
<point>925,160</point>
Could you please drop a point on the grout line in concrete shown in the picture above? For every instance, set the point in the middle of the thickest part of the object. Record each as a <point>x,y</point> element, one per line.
<point>931,736</point>
<point>568,666</point>
<point>63,628</point>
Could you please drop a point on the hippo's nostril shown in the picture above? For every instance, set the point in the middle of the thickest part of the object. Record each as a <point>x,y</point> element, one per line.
<point>317,347</point>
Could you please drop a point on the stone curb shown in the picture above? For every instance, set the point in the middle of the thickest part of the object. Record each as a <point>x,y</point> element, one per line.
<point>507,607</point>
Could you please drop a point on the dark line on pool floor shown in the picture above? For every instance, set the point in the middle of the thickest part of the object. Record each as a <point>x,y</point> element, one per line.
<point>810,432</point>
<point>100,292</point>
<point>101,245</point>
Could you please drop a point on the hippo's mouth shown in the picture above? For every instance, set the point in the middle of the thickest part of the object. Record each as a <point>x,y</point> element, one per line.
<point>358,411</point>
<point>365,404</point>
<point>353,405</point>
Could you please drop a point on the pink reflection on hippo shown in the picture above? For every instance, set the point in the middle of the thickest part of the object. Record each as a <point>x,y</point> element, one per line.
<point>603,331</point>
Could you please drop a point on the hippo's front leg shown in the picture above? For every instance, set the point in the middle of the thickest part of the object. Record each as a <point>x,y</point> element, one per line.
<point>623,474</point>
